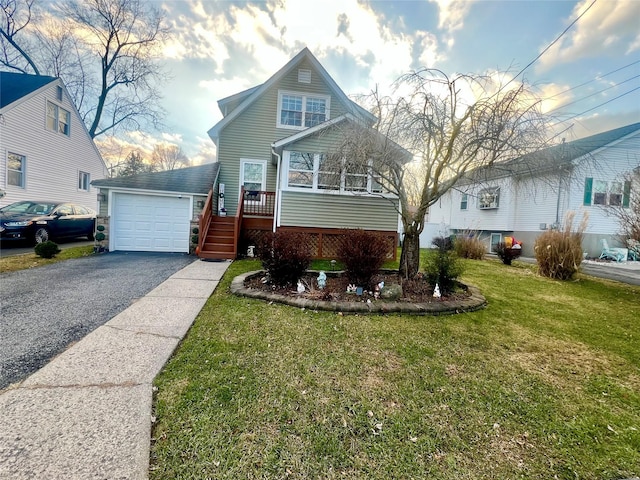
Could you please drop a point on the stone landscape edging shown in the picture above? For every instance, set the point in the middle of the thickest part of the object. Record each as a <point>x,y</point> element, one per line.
<point>475,301</point>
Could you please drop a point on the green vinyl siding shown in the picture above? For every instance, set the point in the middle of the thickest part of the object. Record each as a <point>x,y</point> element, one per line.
<point>322,142</point>
<point>250,135</point>
<point>319,210</point>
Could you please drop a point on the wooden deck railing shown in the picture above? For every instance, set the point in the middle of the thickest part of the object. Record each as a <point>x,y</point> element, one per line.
<point>205,220</point>
<point>258,203</point>
<point>238,224</point>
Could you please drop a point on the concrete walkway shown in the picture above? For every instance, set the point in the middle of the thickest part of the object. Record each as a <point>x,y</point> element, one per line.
<point>87,413</point>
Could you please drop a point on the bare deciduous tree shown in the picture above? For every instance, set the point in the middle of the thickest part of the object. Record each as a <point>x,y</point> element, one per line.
<point>16,17</point>
<point>450,125</point>
<point>629,215</point>
<point>168,157</point>
<point>104,50</point>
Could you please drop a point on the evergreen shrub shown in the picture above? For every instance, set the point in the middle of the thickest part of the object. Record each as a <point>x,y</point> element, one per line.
<point>47,249</point>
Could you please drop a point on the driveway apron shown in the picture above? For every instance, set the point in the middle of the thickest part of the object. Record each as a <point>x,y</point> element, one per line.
<point>46,309</point>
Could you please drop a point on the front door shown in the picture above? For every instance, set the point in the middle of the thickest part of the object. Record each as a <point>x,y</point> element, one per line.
<point>253,177</point>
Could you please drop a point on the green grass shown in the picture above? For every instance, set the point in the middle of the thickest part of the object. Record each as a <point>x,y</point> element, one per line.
<point>31,260</point>
<point>543,383</point>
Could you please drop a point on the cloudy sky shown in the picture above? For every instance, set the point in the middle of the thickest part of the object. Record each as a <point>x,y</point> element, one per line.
<point>591,75</point>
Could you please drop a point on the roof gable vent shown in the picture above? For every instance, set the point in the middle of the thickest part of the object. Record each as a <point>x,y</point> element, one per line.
<point>304,76</point>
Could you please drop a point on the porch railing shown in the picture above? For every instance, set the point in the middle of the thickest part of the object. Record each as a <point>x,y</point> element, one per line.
<point>258,203</point>
<point>205,220</point>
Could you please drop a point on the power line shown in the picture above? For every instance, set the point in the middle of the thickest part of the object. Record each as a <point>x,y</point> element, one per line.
<point>554,42</point>
<point>590,95</point>
<point>598,106</point>
<point>600,77</point>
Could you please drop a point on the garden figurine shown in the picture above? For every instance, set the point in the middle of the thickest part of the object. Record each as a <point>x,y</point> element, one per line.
<point>322,280</point>
<point>436,291</point>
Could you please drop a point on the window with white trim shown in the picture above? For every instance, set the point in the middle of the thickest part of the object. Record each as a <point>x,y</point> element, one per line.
<point>319,172</point>
<point>58,119</point>
<point>253,175</point>
<point>489,198</point>
<point>301,169</point>
<point>464,201</point>
<point>84,181</point>
<point>299,111</point>
<point>16,169</point>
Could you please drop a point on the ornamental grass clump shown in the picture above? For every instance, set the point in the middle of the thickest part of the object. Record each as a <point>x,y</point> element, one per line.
<point>559,252</point>
<point>285,256</point>
<point>469,245</point>
<point>362,254</point>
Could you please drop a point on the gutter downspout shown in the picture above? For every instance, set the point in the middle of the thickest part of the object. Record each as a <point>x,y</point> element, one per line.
<point>276,213</point>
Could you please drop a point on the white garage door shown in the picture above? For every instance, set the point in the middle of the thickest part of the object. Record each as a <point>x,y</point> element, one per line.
<point>149,223</point>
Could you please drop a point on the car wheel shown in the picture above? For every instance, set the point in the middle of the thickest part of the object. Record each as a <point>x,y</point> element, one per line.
<point>41,235</point>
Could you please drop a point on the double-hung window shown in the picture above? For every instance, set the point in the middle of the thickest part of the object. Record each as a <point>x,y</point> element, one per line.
<point>84,180</point>
<point>464,201</point>
<point>356,178</point>
<point>600,192</point>
<point>16,169</point>
<point>300,111</point>
<point>301,169</point>
<point>58,119</point>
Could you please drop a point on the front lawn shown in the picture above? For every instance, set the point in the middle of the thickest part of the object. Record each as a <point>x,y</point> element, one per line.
<point>543,383</point>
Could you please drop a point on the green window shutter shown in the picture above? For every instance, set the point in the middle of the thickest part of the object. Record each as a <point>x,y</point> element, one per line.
<point>588,187</point>
<point>626,194</point>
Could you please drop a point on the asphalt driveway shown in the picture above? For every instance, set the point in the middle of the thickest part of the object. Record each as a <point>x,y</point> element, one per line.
<point>45,309</point>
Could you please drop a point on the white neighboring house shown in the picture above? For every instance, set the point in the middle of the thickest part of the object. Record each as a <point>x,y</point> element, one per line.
<point>525,196</point>
<point>46,152</point>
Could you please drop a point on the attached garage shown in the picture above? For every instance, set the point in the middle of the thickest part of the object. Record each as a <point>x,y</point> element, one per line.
<point>150,223</point>
<point>154,212</point>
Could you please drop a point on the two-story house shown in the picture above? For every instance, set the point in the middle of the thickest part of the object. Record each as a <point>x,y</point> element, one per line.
<point>528,195</point>
<point>274,144</point>
<point>46,152</point>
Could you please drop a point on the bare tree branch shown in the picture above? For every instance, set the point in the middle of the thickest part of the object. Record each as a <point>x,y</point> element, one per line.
<point>451,126</point>
<point>15,20</point>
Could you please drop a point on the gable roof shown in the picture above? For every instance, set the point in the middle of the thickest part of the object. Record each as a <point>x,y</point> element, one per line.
<point>197,180</point>
<point>252,94</point>
<point>556,157</point>
<point>14,86</point>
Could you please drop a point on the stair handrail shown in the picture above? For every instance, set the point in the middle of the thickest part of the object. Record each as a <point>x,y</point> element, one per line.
<point>204,220</point>
<point>238,223</point>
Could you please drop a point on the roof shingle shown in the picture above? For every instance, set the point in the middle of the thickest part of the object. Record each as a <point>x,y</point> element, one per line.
<point>194,180</point>
<point>14,86</point>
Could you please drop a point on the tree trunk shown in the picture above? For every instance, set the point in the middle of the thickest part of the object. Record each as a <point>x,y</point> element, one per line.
<point>410,256</point>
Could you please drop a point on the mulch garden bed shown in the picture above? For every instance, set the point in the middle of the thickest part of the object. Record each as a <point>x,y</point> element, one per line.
<point>417,295</point>
<point>417,291</point>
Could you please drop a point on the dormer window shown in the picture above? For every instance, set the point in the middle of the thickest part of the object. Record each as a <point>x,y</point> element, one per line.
<point>299,111</point>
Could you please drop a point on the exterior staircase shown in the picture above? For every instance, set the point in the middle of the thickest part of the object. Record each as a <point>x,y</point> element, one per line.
<point>219,241</point>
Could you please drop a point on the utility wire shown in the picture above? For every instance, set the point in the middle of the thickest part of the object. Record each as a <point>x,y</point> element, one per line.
<point>597,106</point>
<point>600,77</point>
<point>591,95</point>
<point>552,43</point>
